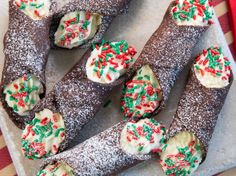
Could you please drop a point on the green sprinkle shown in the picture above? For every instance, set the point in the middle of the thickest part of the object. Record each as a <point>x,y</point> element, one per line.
<point>218,74</point>
<point>104,48</point>
<point>140,78</point>
<point>107,104</point>
<point>112,69</point>
<point>32,101</point>
<point>162,141</point>
<point>147,77</point>
<point>169,162</point>
<point>93,46</point>
<point>101,72</point>
<point>33,4</point>
<point>23,6</point>
<point>62,27</point>
<point>13,99</point>
<point>140,148</point>
<point>40,5</point>
<point>125,47</point>
<point>197,67</point>
<point>58,131</point>
<point>198,147</point>
<point>9,92</point>
<point>27,98</point>
<point>15,108</point>
<point>227,63</point>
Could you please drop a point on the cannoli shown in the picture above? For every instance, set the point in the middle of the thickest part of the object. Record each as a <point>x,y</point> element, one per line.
<point>27,43</point>
<point>79,23</point>
<point>76,99</point>
<point>26,47</point>
<point>197,113</point>
<point>115,149</point>
<point>164,56</point>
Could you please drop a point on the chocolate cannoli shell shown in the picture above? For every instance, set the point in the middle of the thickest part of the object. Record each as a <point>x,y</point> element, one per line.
<point>198,110</point>
<point>77,99</point>
<point>26,47</point>
<point>106,21</point>
<point>108,9</point>
<point>103,7</point>
<point>168,51</point>
<point>99,155</point>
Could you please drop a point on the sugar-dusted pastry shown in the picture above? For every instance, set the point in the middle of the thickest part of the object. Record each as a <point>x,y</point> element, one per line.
<point>192,12</point>
<point>32,27</point>
<point>26,47</point>
<point>34,9</point>
<point>142,95</point>
<point>198,110</point>
<point>75,100</point>
<point>113,150</point>
<point>79,23</point>
<point>164,56</point>
<point>76,28</point>
<point>56,169</point>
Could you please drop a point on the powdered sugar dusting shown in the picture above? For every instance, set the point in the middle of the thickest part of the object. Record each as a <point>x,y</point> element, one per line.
<point>168,51</point>
<point>109,9</point>
<point>104,7</point>
<point>76,98</point>
<point>26,47</point>
<point>99,155</point>
<point>198,110</point>
<point>27,41</point>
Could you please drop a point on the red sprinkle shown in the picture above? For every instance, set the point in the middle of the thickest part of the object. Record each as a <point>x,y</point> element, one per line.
<point>55,148</point>
<point>15,86</point>
<point>55,118</point>
<point>108,77</point>
<point>36,13</point>
<point>25,77</point>
<point>44,121</point>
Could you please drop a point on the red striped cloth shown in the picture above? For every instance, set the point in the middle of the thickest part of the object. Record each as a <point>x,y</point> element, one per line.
<point>223,13</point>
<point>6,166</point>
<point>224,16</point>
<point>232,11</point>
<point>5,157</point>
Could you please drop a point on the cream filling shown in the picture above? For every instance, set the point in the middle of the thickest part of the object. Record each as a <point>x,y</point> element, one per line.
<point>209,79</point>
<point>142,137</point>
<point>149,90</point>
<point>23,94</point>
<point>76,28</point>
<point>212,69</point>
<point>35,9</point>
<point>197,20</point>
<point>182,155</point>
<point>57,169</point>
<point>105,70</point>
<point>146,70</point>
<point>43,136</point>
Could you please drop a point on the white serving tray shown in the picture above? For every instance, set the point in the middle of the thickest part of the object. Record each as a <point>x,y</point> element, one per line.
<point>136,27</point>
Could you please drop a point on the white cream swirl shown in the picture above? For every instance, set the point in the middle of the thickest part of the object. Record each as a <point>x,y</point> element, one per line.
<point>142,95</point>
<point>35,9</point>
<point>192,12</point>
<point>182,154</point>
<point>43,135</point>
<point>56,169</point>
<point>76,28</point>
<point>23,94</point>
<point>109,61</point>
<point>142,137</point>
<point>212,68</point>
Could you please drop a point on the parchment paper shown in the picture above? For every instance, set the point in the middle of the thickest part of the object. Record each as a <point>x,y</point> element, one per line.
<point>136,27</point>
